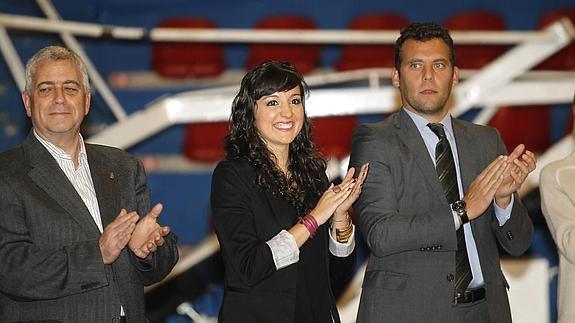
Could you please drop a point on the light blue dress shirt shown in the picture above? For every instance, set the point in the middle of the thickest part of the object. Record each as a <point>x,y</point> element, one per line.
<point>502,215</point>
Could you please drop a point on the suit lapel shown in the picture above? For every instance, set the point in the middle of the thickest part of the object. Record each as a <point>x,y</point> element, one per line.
<point>411,138</point>
<point>104,177</point>
<point>46,173</point>
<point>467,154</point>
<point>282,212</point>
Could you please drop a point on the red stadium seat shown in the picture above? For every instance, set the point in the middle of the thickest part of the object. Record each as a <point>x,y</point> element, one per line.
<point>305,58</point>
<point>476,56</point>
<point>368,56</point>
<point>204,142</point>
<point>529,125</point>
<point>333,135</point>
<point>569,129</point>
<point>183,60</point>
<point>532,124</point>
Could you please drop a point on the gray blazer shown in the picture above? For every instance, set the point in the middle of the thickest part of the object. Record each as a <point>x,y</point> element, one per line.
<point>52,269</point>
<point>408,225</point>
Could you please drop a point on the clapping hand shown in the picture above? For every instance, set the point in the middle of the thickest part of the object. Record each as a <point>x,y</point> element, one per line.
<point>339,197</point>
<point>481,192</point>
<point>116,236</point>
<point>522,162</point>
<point>148,234</point>
<point>355,190</point>
<point>331,199</point>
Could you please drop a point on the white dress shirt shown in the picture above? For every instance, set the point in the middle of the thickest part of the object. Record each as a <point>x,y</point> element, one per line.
<point>285,251</point>
<point>80,178</point>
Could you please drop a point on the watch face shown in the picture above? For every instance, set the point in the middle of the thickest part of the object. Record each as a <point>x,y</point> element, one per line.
<point>458,205</point>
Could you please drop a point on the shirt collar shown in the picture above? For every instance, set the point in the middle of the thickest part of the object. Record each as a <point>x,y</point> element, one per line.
<point>57,152</point>
<point>421,123</point>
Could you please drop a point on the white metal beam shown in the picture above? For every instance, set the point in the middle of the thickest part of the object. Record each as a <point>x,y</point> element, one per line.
<point>532,92</point>
<point>12,59</point>
<point>222,35</point>
<point>512,64</point>
<point>190,107</point>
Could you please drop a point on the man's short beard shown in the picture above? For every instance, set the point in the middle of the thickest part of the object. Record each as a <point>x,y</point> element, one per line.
<point>430,111</point>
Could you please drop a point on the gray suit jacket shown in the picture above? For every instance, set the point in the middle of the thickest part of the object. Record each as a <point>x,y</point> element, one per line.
<point>52,269</point>
<point>408,224</point>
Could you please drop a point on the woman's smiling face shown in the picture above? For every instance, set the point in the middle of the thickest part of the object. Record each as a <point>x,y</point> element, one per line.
<point>279,118</point>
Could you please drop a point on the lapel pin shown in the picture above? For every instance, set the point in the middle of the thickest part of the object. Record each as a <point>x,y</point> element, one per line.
<point>112,175</point>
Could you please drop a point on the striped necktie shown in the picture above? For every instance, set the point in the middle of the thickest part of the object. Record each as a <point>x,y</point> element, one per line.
<point>445,168</point>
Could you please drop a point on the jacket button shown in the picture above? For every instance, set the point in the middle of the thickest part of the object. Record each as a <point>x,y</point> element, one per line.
<point>450,277</point>
<point>439,247</point>
<point>422,249</point>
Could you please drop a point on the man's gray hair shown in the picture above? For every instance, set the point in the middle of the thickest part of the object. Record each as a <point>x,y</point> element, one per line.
<point>55,53</point>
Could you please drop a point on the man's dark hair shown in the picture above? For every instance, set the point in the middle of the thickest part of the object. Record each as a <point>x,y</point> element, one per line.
<point>423,32</point>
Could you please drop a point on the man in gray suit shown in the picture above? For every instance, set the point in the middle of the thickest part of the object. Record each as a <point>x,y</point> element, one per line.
<point>439,199</point>
<point>72,243</point>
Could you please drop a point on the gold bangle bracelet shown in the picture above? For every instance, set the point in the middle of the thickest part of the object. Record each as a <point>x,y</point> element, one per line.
<point>344,231</point>
<point>342,239</point>
<point>342,235</point>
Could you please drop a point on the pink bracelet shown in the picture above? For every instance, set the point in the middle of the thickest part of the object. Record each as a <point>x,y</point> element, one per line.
<point>309,223</point>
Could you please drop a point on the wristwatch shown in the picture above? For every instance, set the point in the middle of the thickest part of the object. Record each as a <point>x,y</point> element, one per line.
<point>459,208</point>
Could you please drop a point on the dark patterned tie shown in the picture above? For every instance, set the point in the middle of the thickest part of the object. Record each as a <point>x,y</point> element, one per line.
<point>445,167</point>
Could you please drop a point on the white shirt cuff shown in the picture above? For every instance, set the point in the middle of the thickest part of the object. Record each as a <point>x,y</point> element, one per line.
<point>456,220</point>
<point>284,249</point>
<point>342,249</point>
<point>501,214</point>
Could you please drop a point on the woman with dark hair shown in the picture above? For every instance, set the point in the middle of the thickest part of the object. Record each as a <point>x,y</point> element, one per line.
<point>284,231</point>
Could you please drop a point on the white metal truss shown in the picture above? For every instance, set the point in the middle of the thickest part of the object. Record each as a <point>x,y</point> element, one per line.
<point>497,84</point>
<point>492,86</point>
<point>500,83</point>
<point>97,80</point>
<point>512,64</point>
<point>11,58</point>
<point>189,107</point>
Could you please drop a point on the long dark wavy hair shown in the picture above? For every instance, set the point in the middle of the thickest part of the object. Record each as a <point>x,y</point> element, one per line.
<point>307,168</point>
